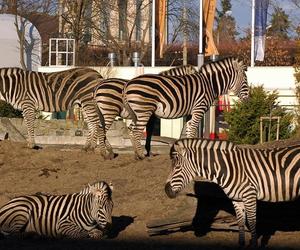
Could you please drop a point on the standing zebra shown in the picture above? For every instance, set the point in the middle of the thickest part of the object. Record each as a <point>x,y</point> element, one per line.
<point>78,215</point>
<point>179,71</point>
<point>58,91</point>
<point>108,95</point>
<point>177,96</point>
<point>245,174</point>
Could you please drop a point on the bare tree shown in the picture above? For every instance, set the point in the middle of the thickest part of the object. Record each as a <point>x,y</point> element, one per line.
<point>122,26</point>
<point>25,11</point>
<point>75,19</point>
<point>181,22</point>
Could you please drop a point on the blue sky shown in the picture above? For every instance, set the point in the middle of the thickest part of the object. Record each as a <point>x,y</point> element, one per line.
<point>241,11</point>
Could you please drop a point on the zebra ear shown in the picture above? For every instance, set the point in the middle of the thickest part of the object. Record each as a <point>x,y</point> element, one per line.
<point>111,186</point>
<point>179,148</point>
<point>91,188</point>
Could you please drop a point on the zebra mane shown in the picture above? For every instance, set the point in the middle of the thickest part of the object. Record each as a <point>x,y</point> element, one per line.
<point>227,61</point>
<point>200,143</point>
<point>102,185</point>
<point>179,70</point>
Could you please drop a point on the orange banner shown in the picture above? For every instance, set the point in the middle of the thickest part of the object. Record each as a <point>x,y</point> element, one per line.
<point>208,18</point>
<point>160,25</point>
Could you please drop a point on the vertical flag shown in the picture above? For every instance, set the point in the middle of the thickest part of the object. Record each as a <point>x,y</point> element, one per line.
<point>209,18</point>
<point>261,9</point>
<point>160,25</point>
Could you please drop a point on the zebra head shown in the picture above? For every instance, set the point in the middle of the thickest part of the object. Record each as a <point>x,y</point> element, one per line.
<point>182,171</point>
<point>239,86</point>
<point>102,204</point>
<point>98,185</point>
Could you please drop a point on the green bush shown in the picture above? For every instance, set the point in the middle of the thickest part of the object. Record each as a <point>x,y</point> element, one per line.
<point>6,110</point>
<point>244,118</point>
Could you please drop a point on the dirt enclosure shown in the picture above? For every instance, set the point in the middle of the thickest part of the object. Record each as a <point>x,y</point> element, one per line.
<point>139,198</point>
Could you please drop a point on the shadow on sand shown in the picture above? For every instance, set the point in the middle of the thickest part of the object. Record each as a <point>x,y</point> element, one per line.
<point>271,217</point>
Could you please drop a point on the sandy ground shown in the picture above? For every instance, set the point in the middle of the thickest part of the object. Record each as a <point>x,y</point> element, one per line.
<point>138,197</point>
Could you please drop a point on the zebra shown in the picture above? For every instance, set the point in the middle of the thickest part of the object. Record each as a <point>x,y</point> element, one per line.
<point>108,96</point>
<point>101,185</point>
<point>30,91</point>
<point>179,71</point>
<point>177,96</point>
<point>80,215</point>
<point>245,174</point>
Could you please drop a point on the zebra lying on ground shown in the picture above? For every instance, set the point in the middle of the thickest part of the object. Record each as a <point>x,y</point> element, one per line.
<point>80,215</point>
<point>52,92</point>
<point>177,96</point>
<point>246,175</point>
<point>108,96</point>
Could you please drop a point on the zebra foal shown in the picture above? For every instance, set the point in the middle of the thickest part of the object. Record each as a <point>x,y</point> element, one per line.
<point>245,174</point>
<point>80,215</point>
<point>172,97</point>
<point>51,92</point>
<point>108,96</point>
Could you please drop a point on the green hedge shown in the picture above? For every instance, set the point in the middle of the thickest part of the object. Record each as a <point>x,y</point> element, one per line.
<point>244,118</point>
<point>6,110</point>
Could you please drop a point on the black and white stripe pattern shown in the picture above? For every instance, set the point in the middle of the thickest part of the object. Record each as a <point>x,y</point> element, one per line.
<point>245,174</point>
<point>179,71</point>
<point>73,216</point>
<point>108,96</point>
<point>30,91</point>
<point>177,96</point>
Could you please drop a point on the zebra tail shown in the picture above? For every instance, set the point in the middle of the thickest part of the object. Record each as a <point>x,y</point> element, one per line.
<point>130,111</point>
<point>102,121</point>
<point>100,115</point>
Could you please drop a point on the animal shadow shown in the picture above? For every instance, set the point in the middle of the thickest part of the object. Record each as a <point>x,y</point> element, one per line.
<point>210,200</point>
<point>118,225</point>
<point>271,217</point>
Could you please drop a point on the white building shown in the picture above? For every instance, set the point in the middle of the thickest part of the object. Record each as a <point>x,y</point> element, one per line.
<point>10,45</point>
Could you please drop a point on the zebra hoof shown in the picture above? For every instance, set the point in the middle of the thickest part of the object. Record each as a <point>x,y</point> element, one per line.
<point>89,148</point>
<point>110,156</point>
<point>34,146</point>
<point>139,157</point>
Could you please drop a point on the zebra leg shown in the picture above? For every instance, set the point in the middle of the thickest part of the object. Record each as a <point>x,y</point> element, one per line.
<point>95,233</point>
<point>29,117</point>
<point>136,132</point>
<point>241,219</point>
<point>136,137</point>
<point>105,147</point>
<point>136,128</point>
<point>91,117</point>
<point>250,201</point>
<point>17,225</point>
<point>193,124</point>
<point>69,229</point>
<point>149,130</point>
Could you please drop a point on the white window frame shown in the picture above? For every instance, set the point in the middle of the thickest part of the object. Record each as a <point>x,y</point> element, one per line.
<point>59,52</point>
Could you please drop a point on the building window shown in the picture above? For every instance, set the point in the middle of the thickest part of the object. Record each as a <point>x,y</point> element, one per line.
<point>61,52</point>
<point>122,4</point>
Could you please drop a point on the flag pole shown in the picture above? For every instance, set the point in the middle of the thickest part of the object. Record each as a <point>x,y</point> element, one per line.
<point>252,33</point>
<point>153,35</point>
<point>201,53</point>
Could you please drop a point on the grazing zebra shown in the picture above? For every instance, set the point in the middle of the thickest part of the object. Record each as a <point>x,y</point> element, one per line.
<point>177,96</point>
<point>78,215</point>
<point>108,96</point>
<point>245,174</point>
<point>58,91</point>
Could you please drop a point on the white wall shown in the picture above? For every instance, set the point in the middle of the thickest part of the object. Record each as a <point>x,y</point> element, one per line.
<point>10,46</point>
<point>280,79</point>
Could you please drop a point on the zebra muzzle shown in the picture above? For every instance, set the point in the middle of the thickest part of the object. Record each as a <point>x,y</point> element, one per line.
<point>170,193</point>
